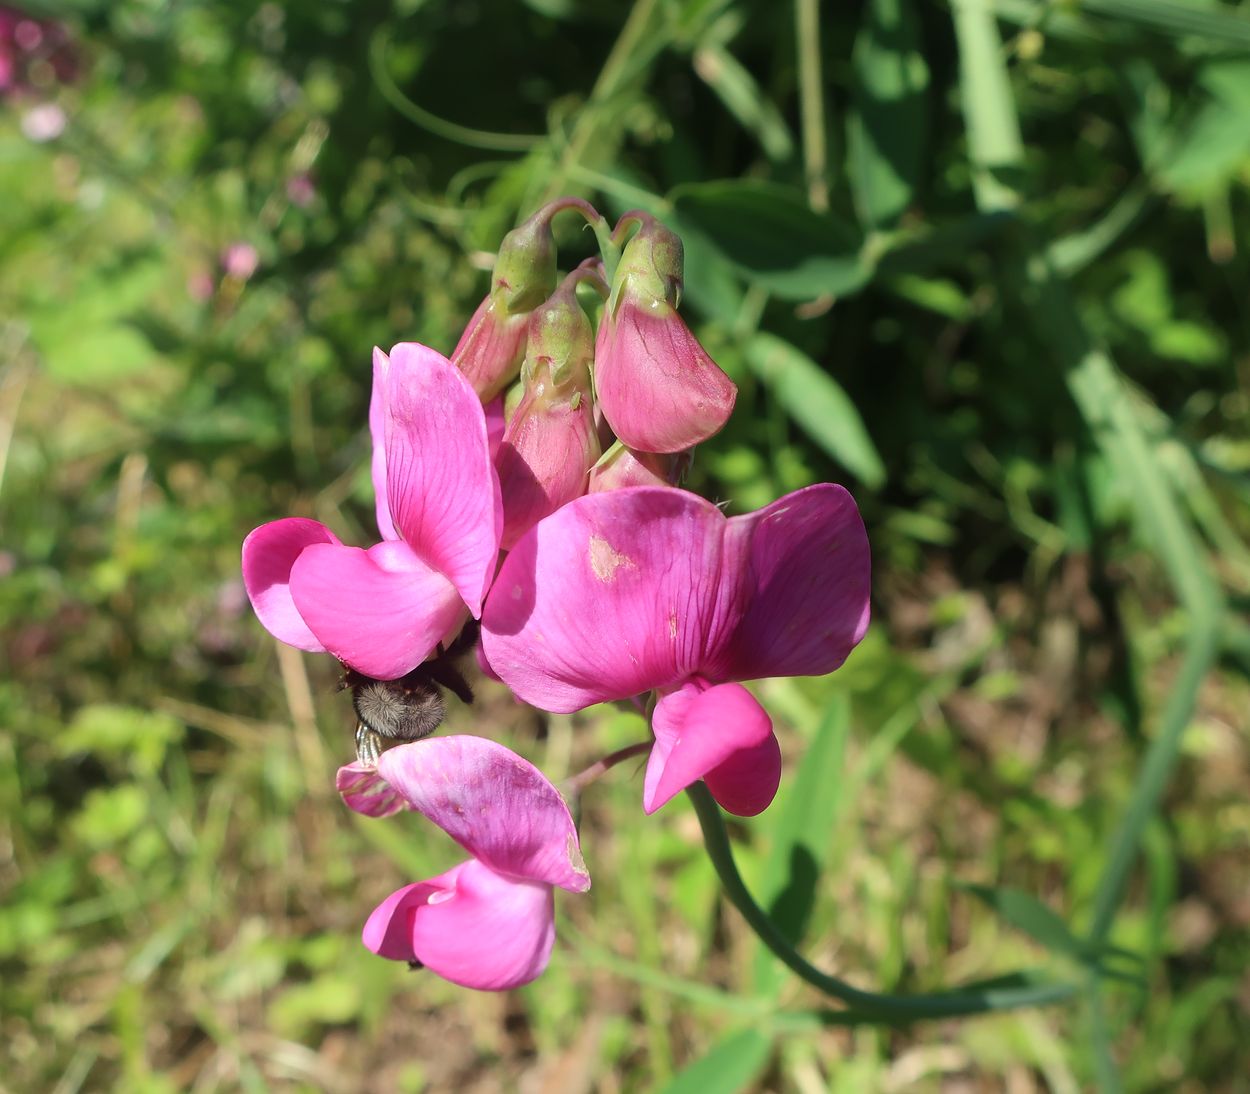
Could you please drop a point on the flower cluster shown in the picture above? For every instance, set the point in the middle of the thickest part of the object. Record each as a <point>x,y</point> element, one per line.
<point>529,483</point>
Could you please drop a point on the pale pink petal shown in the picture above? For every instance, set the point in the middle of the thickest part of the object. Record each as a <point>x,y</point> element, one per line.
<point>268,555</point>
<point>497,806</point>
<point>382,611</point>
<point>610,596</point>
<point>443,491</point>
<point>700,730</point>
<point>657,387</point>
<point>388,930</point>
<point>485,931</point>
<point>377,433</point>
<point>802,568</point>
<point>365,791</point>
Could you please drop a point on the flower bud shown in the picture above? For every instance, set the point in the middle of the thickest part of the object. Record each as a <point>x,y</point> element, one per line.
<point>620,467</point>
<point>657,387</point>
<point>550,443</point>
<point>492,346</point>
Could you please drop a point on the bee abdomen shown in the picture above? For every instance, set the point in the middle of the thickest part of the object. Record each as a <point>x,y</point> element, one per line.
<point>398,709</point>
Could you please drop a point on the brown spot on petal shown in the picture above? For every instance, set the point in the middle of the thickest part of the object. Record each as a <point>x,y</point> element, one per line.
<point>605,560</point>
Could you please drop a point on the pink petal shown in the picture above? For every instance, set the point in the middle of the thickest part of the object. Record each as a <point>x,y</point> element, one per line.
<point>802,569</point>
<point>443,491</point>
<point>377,431</point>
<point>621,467</point>
<point>657,387</point>
<point>490,350</point>
<point>497,806</point>
<point>485,931</point>
<point>543,462</point>
<point>268,555</point>
<point>382,611</point>
<point>365,791</point>
<point>713,732</point>
<point>388,930</point>
<point>496,423</point>
<point>610,596</point>
<point>746,783</point>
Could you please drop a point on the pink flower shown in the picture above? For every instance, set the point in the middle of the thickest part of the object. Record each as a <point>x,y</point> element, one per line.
<point>384,610</point>
<point>622,592</point>
<point>491,348</point>
<point>240,261</point>
<point>551,441</point>
<point>621,467</point>
<point>488,923</point>
<point>657,387</point>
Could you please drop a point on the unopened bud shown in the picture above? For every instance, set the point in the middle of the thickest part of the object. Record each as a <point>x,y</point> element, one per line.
<point>657,387</point>
<point>492,346</point>
<point>621,467</point>
<point>551,442</point>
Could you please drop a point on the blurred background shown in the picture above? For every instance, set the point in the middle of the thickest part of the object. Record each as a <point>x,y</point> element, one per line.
<point>985,263</point>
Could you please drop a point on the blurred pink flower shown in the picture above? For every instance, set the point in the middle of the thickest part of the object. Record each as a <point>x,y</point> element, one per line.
<point>300,190</point>
<point>384,610</point>
<point>33,52</point>
<point>43,123</point>
<point>488,923</point>
<point>240,261</point>
<point>644,588</point>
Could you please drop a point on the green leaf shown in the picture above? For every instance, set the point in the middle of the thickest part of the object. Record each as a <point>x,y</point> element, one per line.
<point>817,404</point>
<point>887,122</point>
<point>731,1065</point>
<point>1221,24</point>
<point>768,233</point>
<point>1028,914</point>
<point>994,143</point>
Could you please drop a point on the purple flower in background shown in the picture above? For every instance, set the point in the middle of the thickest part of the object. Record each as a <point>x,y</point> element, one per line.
<point>623,592</point>
<point>384,610</point>
<point>488,923</point>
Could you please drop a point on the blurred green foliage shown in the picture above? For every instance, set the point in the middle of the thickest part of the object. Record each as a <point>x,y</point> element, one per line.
<point>987,263</point>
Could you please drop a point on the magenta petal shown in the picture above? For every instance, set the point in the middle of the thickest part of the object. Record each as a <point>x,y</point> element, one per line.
<point>382,611</point>
<point>443,491</point>
<point>496,424</point>
<point>497,806</point>
<point>388,930</point>
<point>801,567</point>
<point>268,555</point>
<point>746,783</point>
<point>700,729</point>
<point>484,930</point>
<point>610,596</point>
<point>657,387</point>
<point>377,431</point>
<point>365,791</point>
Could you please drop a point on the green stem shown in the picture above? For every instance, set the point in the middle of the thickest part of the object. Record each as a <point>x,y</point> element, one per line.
<point>812,103</point>
<point>972,999</point>
<point>432,123</point>
<point>632,48</point>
